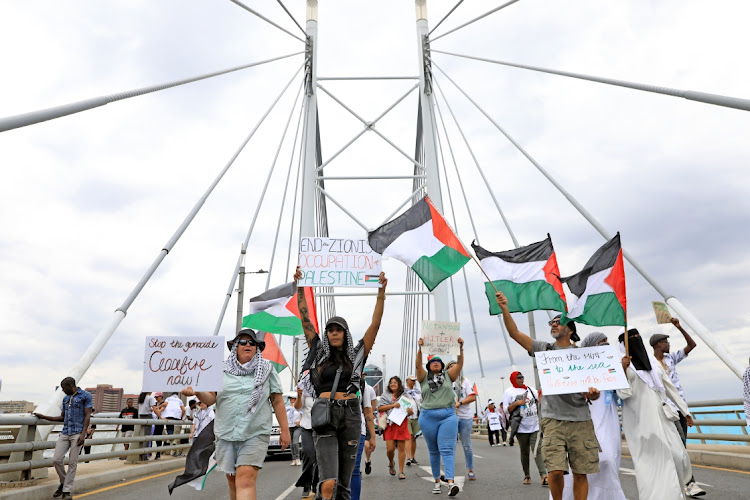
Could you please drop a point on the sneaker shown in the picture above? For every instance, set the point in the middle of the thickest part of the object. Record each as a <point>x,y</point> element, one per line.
<point>693,490</point>
<point>58,492</point>
<point>368,467</point>
<point>408,461</point>
<point>414,461</point>
<point>505,444</point>
<point>67,496</point>
<point>453,490</point>
<point>471,476</point>
<point>158,456</point>
<point>436,489</point>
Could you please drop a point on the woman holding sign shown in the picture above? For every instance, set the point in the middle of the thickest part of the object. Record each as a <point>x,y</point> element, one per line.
<point>521,402</point>
<point>437,418</point>
<point>334,378</point>
<point>242,425</point>
<point>397,409</point>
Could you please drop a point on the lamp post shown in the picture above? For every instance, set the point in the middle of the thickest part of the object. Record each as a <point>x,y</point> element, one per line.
<point>241,288</point>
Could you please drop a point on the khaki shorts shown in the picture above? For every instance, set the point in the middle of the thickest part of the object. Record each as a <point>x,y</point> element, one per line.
<point>570,442</point>
<point>413,426</point>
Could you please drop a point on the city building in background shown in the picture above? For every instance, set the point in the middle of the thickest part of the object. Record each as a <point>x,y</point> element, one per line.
<point>16,406</point>
<point>106,398</point>
<point>374,377</point>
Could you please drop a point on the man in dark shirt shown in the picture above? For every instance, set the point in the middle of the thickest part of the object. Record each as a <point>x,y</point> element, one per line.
<point>127,430</point>
<point>76,411</point>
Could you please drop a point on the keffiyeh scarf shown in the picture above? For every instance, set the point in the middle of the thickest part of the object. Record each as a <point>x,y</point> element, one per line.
<point>435,381</point>
<point>258,367</point>
<point>323,352</point>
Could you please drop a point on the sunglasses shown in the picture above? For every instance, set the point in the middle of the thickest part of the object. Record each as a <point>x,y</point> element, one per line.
<point>553,322</point>
<point>244,342</point>
<point>519,376</point>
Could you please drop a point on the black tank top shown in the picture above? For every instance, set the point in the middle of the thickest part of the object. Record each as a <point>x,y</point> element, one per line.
<point>328,374</point>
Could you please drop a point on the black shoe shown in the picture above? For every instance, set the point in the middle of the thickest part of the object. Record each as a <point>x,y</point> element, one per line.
<point>414,461</point>
<point>67,496</point>
<point>368,467</point>
<point>408,462</point>
<point>453,490</point>
<point>58,492</point>
<point>158,456</point>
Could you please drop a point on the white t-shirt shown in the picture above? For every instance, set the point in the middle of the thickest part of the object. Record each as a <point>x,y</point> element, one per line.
<point>145,407</point>
<point>530,420</point>
<point>174,407</point>
<point>416,396</point>
<point>368,395</point>
<point>466,412</point>
<point>292,416</point>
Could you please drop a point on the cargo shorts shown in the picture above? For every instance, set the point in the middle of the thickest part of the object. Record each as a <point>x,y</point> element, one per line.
<point>571,443</point>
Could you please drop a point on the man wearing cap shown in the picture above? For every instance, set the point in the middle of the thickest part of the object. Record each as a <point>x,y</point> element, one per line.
<point>668,361</point>
<point>569,436</point>
<point>416,395</point>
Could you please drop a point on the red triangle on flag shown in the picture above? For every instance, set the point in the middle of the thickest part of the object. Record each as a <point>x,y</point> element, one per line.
<point>273,354</point>
<point>616,280</point>
<point>310,298</point>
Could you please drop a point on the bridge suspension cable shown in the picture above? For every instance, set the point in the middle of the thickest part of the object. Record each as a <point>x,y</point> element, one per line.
<point>496,9</point>
<point>694,323</point>
<point>445,17</point>
<point>258,14</point>
<point>292,17</point>
<point>42,115</point>
<point>692,95</point>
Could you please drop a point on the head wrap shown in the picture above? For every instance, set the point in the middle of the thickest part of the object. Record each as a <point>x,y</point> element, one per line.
<point>643,366</point>
<point>593,339</point>
<point>257,366</point>
<point>514,381</point>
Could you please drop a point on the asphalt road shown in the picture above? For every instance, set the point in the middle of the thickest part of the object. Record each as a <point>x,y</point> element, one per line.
<point>498,471</point>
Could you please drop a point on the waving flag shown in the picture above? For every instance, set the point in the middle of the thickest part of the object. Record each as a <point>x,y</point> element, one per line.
<point>600,288</point>
<point>273,354</point>
<point>199,462</point>
<point>528,277</point>
<point>421,239</point>
<point>276,311</point>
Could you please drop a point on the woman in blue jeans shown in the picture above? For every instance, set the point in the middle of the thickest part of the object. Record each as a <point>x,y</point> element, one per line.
<point>437,418</point>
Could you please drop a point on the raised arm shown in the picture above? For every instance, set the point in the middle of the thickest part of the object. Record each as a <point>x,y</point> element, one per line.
<point>455,370</point>
<point>521,338</point>
<point>304,312</point>
<point>421,372</point>
<point>690,342</point>
<point>377,315</point>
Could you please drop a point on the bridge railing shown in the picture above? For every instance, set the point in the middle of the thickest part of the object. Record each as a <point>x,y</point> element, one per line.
<point>700,410</point>
<point>26,454</point>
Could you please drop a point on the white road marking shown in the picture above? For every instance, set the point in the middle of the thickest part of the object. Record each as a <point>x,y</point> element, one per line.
<point>477,456</point>
<point>286,492</point>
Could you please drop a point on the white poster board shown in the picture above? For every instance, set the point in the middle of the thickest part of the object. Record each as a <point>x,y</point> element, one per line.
<point>441,337</point>
<point>339,262</point>
<point>173,363</point>
<point>567,371</point>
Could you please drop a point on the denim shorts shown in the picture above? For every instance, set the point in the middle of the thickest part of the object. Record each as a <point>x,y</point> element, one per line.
<point>232,454</point>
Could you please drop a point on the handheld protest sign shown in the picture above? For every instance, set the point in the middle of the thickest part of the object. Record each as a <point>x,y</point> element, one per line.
<point>662,313</point>
<point>575,370</point>
<point>339,262</point>
<point>441,337</point>
<point>173,363</point>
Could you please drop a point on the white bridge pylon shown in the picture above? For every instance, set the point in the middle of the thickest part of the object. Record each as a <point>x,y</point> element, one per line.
<point>431,154</point>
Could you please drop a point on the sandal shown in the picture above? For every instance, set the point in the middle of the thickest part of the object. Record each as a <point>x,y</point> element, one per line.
<point>392,469</point>
<point>402,476</point>
<point>544,480</point>
<point>527,480</point>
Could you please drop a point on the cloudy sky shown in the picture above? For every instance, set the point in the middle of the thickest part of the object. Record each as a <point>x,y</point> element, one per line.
<point>87,201</point>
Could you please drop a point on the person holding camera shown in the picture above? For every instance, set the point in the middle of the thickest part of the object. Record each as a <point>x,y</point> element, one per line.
<point>521,402</point>
<point>335,365</point>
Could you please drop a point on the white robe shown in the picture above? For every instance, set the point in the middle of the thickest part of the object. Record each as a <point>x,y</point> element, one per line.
<point>604,485</point>
<point>662,465</point>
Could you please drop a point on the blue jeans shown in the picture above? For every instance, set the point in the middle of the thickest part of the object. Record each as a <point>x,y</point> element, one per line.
<point>464,434</point>
<point>439,427</point>
<point>356,474</point>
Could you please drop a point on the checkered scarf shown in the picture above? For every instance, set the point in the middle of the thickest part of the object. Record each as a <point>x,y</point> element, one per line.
<point>258,367</point>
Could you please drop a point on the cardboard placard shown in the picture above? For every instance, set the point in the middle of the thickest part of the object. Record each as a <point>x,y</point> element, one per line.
<point>441,337</point>
<point>173,363</point>
<point>568,371</point>
<point>339,262</point>
<point>662,313</point>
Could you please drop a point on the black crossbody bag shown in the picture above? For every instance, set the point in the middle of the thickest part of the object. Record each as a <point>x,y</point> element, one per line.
<point>320,413</point>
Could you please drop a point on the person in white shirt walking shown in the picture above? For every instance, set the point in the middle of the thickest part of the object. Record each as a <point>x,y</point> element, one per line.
<point>466,394</point>
<point>413,391</point>
<point>293,418</point>
<point>668,361</point>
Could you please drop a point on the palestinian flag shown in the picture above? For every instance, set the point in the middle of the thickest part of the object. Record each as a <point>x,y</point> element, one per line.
<point>421,239</point>
<point>528,277</point>
<point>199,462</point>
<point>600,288</point>
<point>276,311</point>
<point>273,354</point>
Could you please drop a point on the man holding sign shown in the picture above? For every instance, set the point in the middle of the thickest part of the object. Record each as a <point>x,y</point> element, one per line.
<point>569,436</point>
